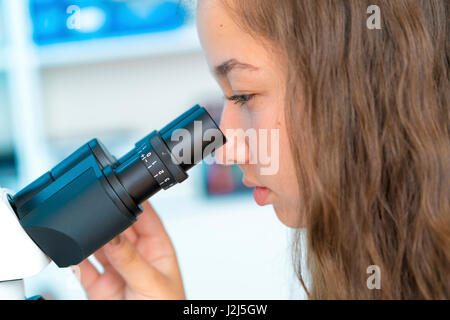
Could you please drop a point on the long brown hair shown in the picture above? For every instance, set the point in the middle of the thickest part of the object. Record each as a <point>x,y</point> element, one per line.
<point>369,123</point>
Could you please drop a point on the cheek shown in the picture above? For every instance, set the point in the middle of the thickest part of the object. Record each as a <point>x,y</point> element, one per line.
<point>234,117</point>
<point>272,140</point>
<point>284,183</point>
<point>287,206</point>
<point>287,174</point>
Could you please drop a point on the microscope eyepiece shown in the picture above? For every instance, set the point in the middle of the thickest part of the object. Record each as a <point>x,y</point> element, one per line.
<point>90,197</point>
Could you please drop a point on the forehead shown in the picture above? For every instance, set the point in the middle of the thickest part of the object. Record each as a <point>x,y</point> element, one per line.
<point>222,39</point>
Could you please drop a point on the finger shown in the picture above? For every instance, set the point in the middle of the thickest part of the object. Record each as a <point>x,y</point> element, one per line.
<point>149,224</point>
<point>109,270</point>
<point>130,233</point>
<point>88,274</point>
<point>131,266</point>
<point>100,256</point>
<point>109,285</point>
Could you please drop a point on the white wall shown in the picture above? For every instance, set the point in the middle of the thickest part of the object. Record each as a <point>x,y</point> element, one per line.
<point>128,95</point>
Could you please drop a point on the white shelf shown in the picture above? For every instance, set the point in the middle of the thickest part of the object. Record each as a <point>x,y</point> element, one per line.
<point>182,40</point>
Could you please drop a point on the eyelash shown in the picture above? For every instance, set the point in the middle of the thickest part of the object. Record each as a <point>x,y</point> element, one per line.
<point>242,99</point>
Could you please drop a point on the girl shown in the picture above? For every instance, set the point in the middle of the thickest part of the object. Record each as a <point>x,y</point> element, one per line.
<point>363,122</point>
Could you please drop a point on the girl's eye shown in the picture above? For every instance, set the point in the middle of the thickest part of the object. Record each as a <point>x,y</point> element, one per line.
<point>241,99</point>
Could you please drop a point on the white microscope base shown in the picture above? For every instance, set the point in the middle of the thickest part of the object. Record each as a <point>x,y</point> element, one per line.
<point>12,290</point>
<point>21,257</point>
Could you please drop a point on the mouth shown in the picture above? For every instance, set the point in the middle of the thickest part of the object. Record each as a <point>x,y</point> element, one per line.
<point>260,194</point>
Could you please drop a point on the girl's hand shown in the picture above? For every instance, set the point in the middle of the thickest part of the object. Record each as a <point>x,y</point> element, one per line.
<point>139,264</point>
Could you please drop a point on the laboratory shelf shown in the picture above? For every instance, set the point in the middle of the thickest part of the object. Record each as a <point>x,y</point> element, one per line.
<point>179,41</point>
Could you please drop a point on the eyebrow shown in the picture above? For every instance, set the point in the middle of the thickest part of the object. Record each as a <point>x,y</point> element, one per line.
<point>225,68</point>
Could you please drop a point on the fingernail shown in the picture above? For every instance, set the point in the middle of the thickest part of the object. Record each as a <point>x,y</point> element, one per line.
<point>116,241</point>
<point>74,269</point>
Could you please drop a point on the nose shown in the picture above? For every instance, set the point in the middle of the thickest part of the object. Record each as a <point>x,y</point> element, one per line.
<point>236,150</point>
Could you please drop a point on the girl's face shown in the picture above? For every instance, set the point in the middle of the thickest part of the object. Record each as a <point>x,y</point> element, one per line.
<point>253,80</point>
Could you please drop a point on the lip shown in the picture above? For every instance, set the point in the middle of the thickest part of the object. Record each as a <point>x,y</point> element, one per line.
<point>260,193</point>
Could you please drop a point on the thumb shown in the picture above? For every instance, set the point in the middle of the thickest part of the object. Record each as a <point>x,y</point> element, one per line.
<point>134,269</point>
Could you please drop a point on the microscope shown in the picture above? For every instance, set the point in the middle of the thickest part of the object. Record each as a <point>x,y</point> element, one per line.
<point>90,197</point>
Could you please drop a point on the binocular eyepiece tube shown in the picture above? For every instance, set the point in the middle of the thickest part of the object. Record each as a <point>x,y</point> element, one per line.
<point>90,197</point>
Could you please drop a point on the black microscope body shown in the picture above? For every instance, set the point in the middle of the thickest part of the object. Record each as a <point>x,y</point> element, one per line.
<point>90,197</point>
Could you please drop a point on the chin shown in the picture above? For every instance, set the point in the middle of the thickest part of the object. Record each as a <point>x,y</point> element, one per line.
<point>289,217</point>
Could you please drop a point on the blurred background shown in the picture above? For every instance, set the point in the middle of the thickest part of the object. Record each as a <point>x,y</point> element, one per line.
<point>73,70</point>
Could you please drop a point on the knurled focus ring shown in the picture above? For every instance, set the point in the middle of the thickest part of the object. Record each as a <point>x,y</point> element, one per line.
<point>156,167</point>
<point>169,161</point>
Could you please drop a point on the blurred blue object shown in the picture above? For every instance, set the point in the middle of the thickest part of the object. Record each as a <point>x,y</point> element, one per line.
<point>72,20</point>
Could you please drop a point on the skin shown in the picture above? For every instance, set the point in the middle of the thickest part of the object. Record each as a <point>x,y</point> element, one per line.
<point>260,75</point>
<point>141,263</point>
